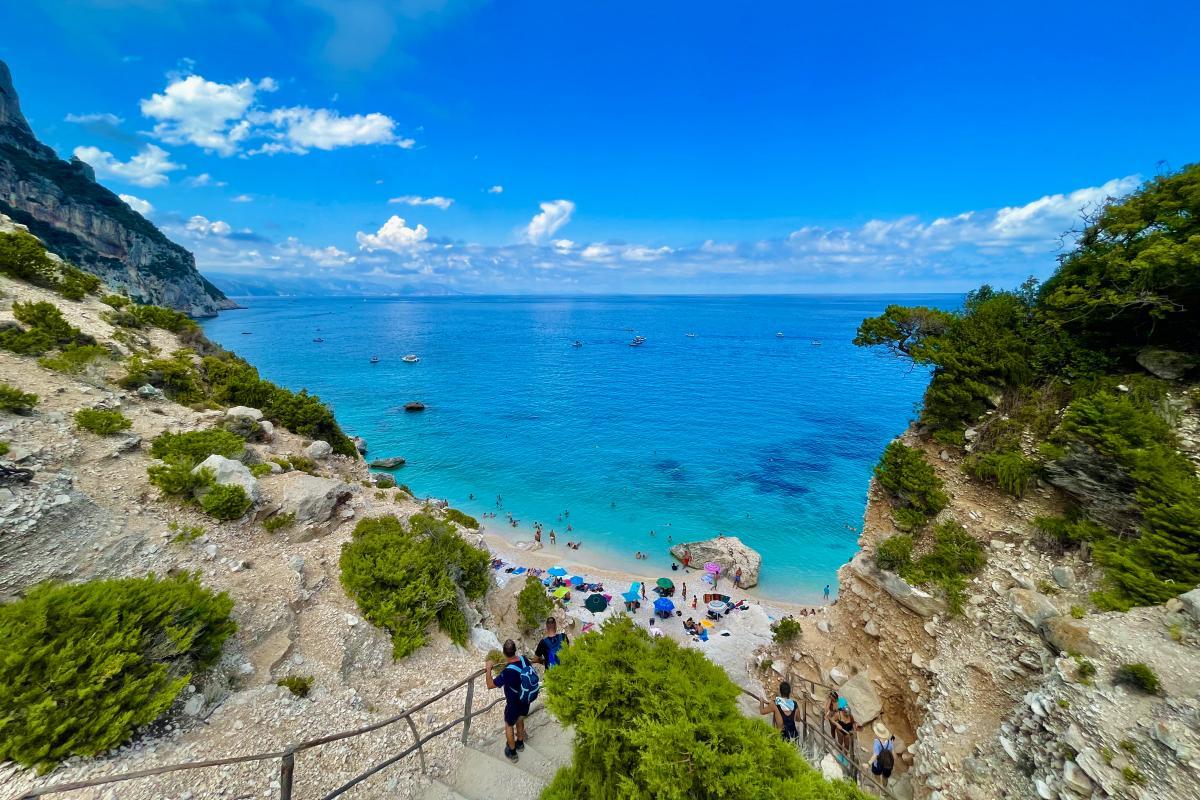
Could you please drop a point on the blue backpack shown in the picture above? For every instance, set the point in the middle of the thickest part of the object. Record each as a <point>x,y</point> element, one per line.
<point>553,645</point>
<point>530,683</point>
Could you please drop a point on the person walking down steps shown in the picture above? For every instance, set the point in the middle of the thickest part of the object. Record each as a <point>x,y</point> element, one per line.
<point>883,759</point>
<point>521,685</point>
<point>550,645</point>
<point>784,711</point>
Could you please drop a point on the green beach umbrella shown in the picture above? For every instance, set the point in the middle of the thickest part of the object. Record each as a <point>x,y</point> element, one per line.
<point>665,583</point>
<point>595,603</point>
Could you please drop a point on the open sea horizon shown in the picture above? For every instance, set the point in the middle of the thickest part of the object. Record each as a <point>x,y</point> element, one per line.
<point>735,429</point>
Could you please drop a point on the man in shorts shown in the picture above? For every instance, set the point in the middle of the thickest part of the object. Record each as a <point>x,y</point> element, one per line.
<point>515,709</point>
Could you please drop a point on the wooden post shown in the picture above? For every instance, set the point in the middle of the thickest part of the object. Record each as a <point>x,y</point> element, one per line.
<point>467,709</point>
<point>287,766</point>
<point>417,739</point>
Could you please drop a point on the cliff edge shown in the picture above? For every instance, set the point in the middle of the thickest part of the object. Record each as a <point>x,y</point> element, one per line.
<point>90,226</point>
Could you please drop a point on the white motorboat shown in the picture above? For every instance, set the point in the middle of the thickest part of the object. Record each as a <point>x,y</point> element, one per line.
<point>411,358</point>
<point>779,334</point>
<point>374,359</point>
<point>691,335</point>
<point>638,341</point>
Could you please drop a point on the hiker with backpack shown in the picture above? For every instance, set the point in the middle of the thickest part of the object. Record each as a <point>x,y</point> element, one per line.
<point>883,759</point>
<point>521,686</point>
<point>784,710</point>
<point>548,648</point>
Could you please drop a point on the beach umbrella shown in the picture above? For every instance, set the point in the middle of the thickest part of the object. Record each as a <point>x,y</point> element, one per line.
<point>712,567</point>
<point>575,580</point>
<point>664,605</point>
<point>557,572</point>
<point>631,597</point>
<point>665,583</point>
<point>595,602</point>
<point>717,607</point>
<point>561,591</point>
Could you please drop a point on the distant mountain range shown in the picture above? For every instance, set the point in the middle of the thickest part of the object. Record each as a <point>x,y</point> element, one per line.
<point>241,285</point>
<point>88,225</point>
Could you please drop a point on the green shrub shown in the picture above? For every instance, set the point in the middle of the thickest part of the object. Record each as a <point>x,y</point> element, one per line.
<point>404,579</point>
<point>1133,775</point>
<point>23,257</point>
<point>1010,471</point>
<point>74,358</point>
<point>47,330</point>
<point>115,300</point>
<point>102,422</point>
<point>195,446</point>
<point>283,463</point>
<point>15,401</point>
<point>954,556</point>
<point>1139,676</point>
<point>304,464</point>
<point>4,448</point>
<point>176,376</point>
<point>894,553</point>
<point>65,693</point>
<point>225,501</point>
<point>148,316</point>
<point>467,521</point>
<point>1078,612</point>
<point>279,522</point>
<point>533,605</point>
<point>260,470</point>
<point>1068,532</point>
<point>298,685</point>
<point>383,480</point>
<point>176,479</point>
<point>786,631</point>
<point>75,284</point>
<point>905,474</point>
<point>1085,670</point>
<point>654,719</point>
<point>185,533</point>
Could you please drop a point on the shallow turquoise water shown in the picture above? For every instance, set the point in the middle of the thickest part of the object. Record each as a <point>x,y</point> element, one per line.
<point>768,438</point>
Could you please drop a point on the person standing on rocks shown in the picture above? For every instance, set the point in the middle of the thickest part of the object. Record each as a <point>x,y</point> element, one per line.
<point>550,645</point>
<point>520,684</point>
<point>737,578</point>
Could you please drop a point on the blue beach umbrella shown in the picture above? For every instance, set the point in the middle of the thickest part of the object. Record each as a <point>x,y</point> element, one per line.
<point>576,580</point>
<point>557,572</point>
<point>631,597</point>
<point>664,605</point>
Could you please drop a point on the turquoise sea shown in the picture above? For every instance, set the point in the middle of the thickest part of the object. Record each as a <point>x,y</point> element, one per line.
<point>770,438</point>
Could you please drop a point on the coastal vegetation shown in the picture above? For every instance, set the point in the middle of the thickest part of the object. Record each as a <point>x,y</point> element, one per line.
<point>533,604</point>
<point>83,665</point>
<point>102,422</point>
<point>947,561</point>
<point>16,401</point>
<point>654,719</point>
<point>905,474</point>
<point>459,518</point>
<point>23,257</point>
<point>225,501</point>
<point>405,578</point>
<point>1008,363</point>
<point>47,330</point>
<point>73,358</point>
<point>178,477</point>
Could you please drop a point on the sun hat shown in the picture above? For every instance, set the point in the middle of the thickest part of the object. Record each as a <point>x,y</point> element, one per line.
<point>842,703</point>
<point>881,731</point>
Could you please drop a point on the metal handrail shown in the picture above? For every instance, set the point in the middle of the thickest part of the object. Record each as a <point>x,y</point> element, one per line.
<point>808,728</point>
<point>288,755</point>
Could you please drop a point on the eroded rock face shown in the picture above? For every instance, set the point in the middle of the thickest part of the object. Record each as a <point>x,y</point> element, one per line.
<point>311,498</point>
<point>89,226</point>
<point>914,599</point>
<point>729,552</point>
<point>1104,492</point>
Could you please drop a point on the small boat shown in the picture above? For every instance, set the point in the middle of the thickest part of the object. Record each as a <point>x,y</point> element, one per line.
<point>816,342</point>
<point>779,334</point>
<point>318,339</point>
<point>414,406</point>
<point>411,358</point>
<point>374,359</point>
<point>577,343</point>
<point>247,333</point>
<point>638,341</point>
<point>691,335</point>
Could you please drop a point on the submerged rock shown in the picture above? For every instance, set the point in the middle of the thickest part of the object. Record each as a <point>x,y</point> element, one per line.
<point>414,406</point>
<point>388,463</point>
<point>729,552</point>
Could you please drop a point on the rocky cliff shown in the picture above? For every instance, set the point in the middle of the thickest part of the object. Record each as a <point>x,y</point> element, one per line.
<point>90,226</point>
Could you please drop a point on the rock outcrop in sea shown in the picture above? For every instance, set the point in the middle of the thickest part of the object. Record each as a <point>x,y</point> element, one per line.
<point>728,551</point>
<point>90,226</point>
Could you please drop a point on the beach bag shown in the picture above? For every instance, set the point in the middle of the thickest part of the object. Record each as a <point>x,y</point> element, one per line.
<point>885,759</point>
<point>553,645</point>
<point>530,683</point>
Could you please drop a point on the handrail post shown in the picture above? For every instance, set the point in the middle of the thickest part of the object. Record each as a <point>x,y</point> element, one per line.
<point>417,739</point>
<point>467,709</point>
<point>287,766</point>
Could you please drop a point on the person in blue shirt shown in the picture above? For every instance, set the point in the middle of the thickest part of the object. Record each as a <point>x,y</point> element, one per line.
<point>548,648</point>
<point>827,591</point>
<point>516,699</point>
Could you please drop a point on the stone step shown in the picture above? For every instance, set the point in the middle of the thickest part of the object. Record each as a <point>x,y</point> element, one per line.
<point>480,776</point>
<point>439,791</point>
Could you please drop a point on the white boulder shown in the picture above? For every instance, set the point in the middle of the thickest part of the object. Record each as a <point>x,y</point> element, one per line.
<point>318,450</point>
<point>229,472</point>
<point>244,411</point>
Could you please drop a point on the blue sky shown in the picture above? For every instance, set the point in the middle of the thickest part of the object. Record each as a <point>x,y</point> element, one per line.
<point>640,147</point>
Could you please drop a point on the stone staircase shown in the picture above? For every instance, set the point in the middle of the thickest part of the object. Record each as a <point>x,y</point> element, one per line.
<point>485,774</point>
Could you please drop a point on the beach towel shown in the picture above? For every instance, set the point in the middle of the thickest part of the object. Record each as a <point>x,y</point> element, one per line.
<point>518,570</point>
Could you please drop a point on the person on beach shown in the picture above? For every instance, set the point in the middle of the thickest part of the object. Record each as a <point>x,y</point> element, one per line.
<point>784,712</point>
<point>520,684</point>
<point>537,535</point>
<point>684,595</point>
<point>827,592</point>
<point>553,540</point>
<point>550,645</point>
<point>737,578</point>
<point>687,559</point>
<point>643,590</point>
<point>883,756</point>
<point>655,631</point>
<point>694,601</point>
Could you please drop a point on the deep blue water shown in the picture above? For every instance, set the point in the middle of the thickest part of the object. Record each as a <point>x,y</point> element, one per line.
<point>737,430</point>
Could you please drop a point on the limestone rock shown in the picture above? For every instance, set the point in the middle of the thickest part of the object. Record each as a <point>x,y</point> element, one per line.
<point>912,598</point>
<point>1063,576</point>
<point>318,450</point>
<point>1169,365</point>
<point>387,463</point>
<point>1104,491</point>
<point>360,444</point>
<point>310,497</point>
<point>1068,635</point>
<point>1032,607</point>
<point>228,472</point>
<point>148,392</point>
<point>864,701</point>
<point>729,552</point>
<point>1191,603</point>
<point>267,430</point>
<point>383,480</point>
<point>244,411</point>
<point>831,770</point>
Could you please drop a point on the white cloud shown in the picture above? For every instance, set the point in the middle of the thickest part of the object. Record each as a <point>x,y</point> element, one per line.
<point>415,200</point>
<point>111,120</point>
<point>327,257</point>
<point>139,205</point>
<point>203,179</point>
<point>394,236</point>
<point>241,198</point>
<point>202,226</point>
<point>545,224</point>
<point>497,189</point>
<point>148,168</point>
<point>226,117</point>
